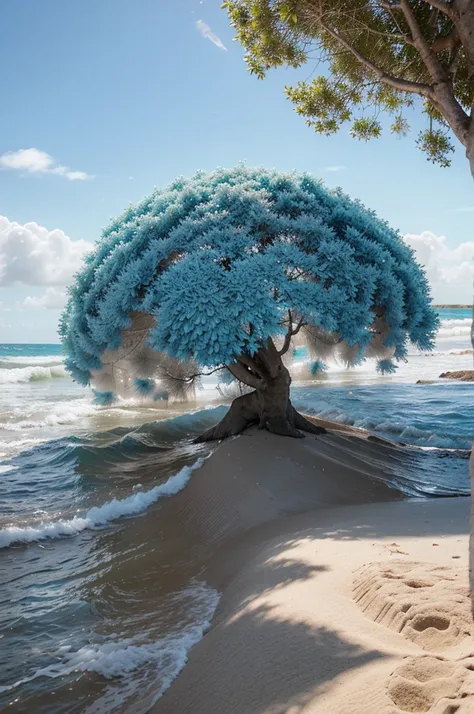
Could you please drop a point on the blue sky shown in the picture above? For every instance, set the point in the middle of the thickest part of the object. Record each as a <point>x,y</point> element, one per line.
<point>133,94</point>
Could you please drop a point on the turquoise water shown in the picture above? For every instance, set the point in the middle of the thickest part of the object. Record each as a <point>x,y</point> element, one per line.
<point>455,313</point>
<point>24,350</point>
<point>87,611</point>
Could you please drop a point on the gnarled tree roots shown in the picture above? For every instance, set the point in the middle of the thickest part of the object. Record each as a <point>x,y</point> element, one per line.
<point>254,409</point>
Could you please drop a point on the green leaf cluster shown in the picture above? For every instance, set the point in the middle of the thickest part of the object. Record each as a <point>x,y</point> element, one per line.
<point>359,43</point>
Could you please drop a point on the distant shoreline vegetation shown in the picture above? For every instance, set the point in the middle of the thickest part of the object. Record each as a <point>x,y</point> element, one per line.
<point>453,306</point>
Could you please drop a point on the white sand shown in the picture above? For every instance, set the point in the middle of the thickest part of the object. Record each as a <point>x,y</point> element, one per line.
<point>356,609</point>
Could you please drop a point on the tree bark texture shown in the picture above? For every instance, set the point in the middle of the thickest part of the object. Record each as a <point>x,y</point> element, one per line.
<point>269,406</point>
<point>470,144</point>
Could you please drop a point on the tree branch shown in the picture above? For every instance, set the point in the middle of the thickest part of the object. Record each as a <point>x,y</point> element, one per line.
<point>430,60</point>
<point>463,18</point>
<point>298,327</point>
<point>248,362</point>
<point>400,35</point>
<point>287,342</point>
<point>442,6</point>
<point>389,9</point>
<point>453,65</point>
<point>243,375</point>
<point>446,42</point>
<point>326,338</point>
<point>290,333</point>
<point>403,85</point>
<point>441,93</point>
<point>192,377</point>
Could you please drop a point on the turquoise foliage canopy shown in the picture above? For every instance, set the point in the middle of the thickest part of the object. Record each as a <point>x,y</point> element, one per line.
<point>219,259</point>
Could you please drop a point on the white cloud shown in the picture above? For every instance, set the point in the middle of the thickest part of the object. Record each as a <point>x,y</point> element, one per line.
<point>334,169</point>
<point>34,161</point>
<point>463,209</point>
<point>208,34</point>
<point>449,270</point>
<point>32,255</point>
<point>52,299</point>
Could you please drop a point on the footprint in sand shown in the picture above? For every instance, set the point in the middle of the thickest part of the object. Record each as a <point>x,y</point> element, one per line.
<point>428,604</point>
<point>433,685</point>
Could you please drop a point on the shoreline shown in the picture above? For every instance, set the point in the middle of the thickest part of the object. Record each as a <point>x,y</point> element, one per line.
<point>288,636</point>
<point>290,522</point>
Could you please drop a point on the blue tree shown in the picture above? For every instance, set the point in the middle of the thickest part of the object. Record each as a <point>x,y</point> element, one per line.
<point>221,272</point>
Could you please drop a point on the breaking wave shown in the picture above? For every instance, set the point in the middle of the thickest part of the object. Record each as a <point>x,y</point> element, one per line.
<point>455,328</point>
<point>439,416</point>
<point>398,430</point>
<point>39,415</point>
<point>32,373</point>
<point>99,515</point>
<point>161,660</point>
<point>30,361</point>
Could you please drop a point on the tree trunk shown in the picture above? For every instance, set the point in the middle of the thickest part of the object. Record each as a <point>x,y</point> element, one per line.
<point>464,21</point>
<point>269,407</point>
<point>470,144</point>
<point>463,17</point>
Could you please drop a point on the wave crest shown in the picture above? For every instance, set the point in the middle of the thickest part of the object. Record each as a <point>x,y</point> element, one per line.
<point>118,657</point>
<point>99,515</point>
<point>36,373</point>
<point>12,362</point>
<point>455,328</point>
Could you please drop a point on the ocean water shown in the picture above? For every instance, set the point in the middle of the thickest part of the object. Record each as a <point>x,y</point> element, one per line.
<point>95,614</point>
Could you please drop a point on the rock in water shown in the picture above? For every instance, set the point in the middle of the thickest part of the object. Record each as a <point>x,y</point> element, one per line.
<point>465,375</point>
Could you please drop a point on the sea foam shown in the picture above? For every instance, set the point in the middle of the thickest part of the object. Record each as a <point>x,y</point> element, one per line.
<point>99,515</point>
<point>32,373</point>
<point>11,362</point>
<point>455,328</point>
<point>119,657</point>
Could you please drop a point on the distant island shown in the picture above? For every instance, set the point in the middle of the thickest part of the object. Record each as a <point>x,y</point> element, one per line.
<point>454,306</point>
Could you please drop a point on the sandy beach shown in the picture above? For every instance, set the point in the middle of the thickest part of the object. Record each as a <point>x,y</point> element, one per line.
<point>339,594</point>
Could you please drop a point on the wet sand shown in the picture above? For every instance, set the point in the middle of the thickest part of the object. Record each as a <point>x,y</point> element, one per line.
<point>339,595</point>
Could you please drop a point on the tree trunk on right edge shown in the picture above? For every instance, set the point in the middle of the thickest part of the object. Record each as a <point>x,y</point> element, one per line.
<point>470,143</point>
